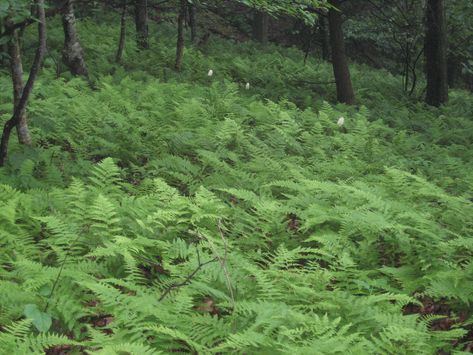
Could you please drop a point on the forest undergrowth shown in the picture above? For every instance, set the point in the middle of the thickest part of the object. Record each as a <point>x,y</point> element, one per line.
<point>162,212</point>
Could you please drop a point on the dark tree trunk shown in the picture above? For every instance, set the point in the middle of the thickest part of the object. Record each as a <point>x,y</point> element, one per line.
<point>436,53</point>
<point>180,34</point>
<point>141,22</point>
<point>341,71</point>
<point>261,26</point>
<point>16,68</point>
<point>35,67</point>
<point>324,38</point>
<point>72,54</point>
<point>121,42</point>
<point>193,22</point>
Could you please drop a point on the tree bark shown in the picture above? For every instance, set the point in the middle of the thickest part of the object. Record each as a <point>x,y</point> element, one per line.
<point>193,22</point>
<point>141,22</point>
<point>38,59</point>
<point>261,26</point>
<point>72,54</point>
<point>121,42</point>
<point>180,34</point>
<point>435,46</point>
<point>341,71</point>
<point>16,68</point>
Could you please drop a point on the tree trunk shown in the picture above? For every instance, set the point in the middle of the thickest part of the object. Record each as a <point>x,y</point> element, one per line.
<point>261,26</point>
<point>72,54</point>
<point>324,38</point>
<point>35,67</point>
<point>3,47</point>
<point>341,71</point>
<point>121,43</point>
<point>180,34</point>
<point>141,22</point>
<point>193,22</point>
<point>436,53</point>
<point>16,68</point>
<point>3,56</point>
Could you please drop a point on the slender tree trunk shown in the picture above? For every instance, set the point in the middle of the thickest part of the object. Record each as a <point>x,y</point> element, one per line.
<point>38,59</point>
<point>341,71</point>
<point>3,46</point>
<point>407,61</point>
<point>324,38</point>
<point>436,53</point>
<point>121,42</point>
<point>72,54</point>
<point>16,68</point>
<point>193,22</point>
<point>180,34</point>
<point>308,36</point>
<point>414,72</point>
<point>261,26</point>
<point>3,54</point>
<point>467,81</point>
<point>141,22</point>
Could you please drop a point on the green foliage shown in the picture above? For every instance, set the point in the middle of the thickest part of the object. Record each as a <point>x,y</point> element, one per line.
<point>158,216</point>
<point>460,31</point>
<point>390,34</point>
<point>42,321</point>
<point>301,8</point>
<point>15,11</point>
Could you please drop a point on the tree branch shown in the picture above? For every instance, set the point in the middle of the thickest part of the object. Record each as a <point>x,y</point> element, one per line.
<point>29,21</point>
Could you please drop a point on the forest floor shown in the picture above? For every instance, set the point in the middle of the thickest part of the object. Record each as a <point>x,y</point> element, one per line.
<point>162,211</point>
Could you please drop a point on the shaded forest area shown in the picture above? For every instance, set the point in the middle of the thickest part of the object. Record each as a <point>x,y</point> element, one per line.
<point>236,177</point>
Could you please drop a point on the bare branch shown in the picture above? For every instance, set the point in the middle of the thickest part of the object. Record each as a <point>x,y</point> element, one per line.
<point>29,21</point>
<point>189,277</point>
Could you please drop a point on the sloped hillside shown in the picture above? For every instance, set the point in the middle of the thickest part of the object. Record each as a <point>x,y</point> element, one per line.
<point>164,212</point>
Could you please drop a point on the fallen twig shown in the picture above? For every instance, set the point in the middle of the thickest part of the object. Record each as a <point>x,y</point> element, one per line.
<point>188,278</point>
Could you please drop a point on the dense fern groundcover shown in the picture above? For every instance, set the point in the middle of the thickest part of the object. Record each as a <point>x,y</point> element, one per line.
<point>163,212</point>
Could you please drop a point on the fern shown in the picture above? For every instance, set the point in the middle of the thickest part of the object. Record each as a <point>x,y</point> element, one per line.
<point>155,216</point>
